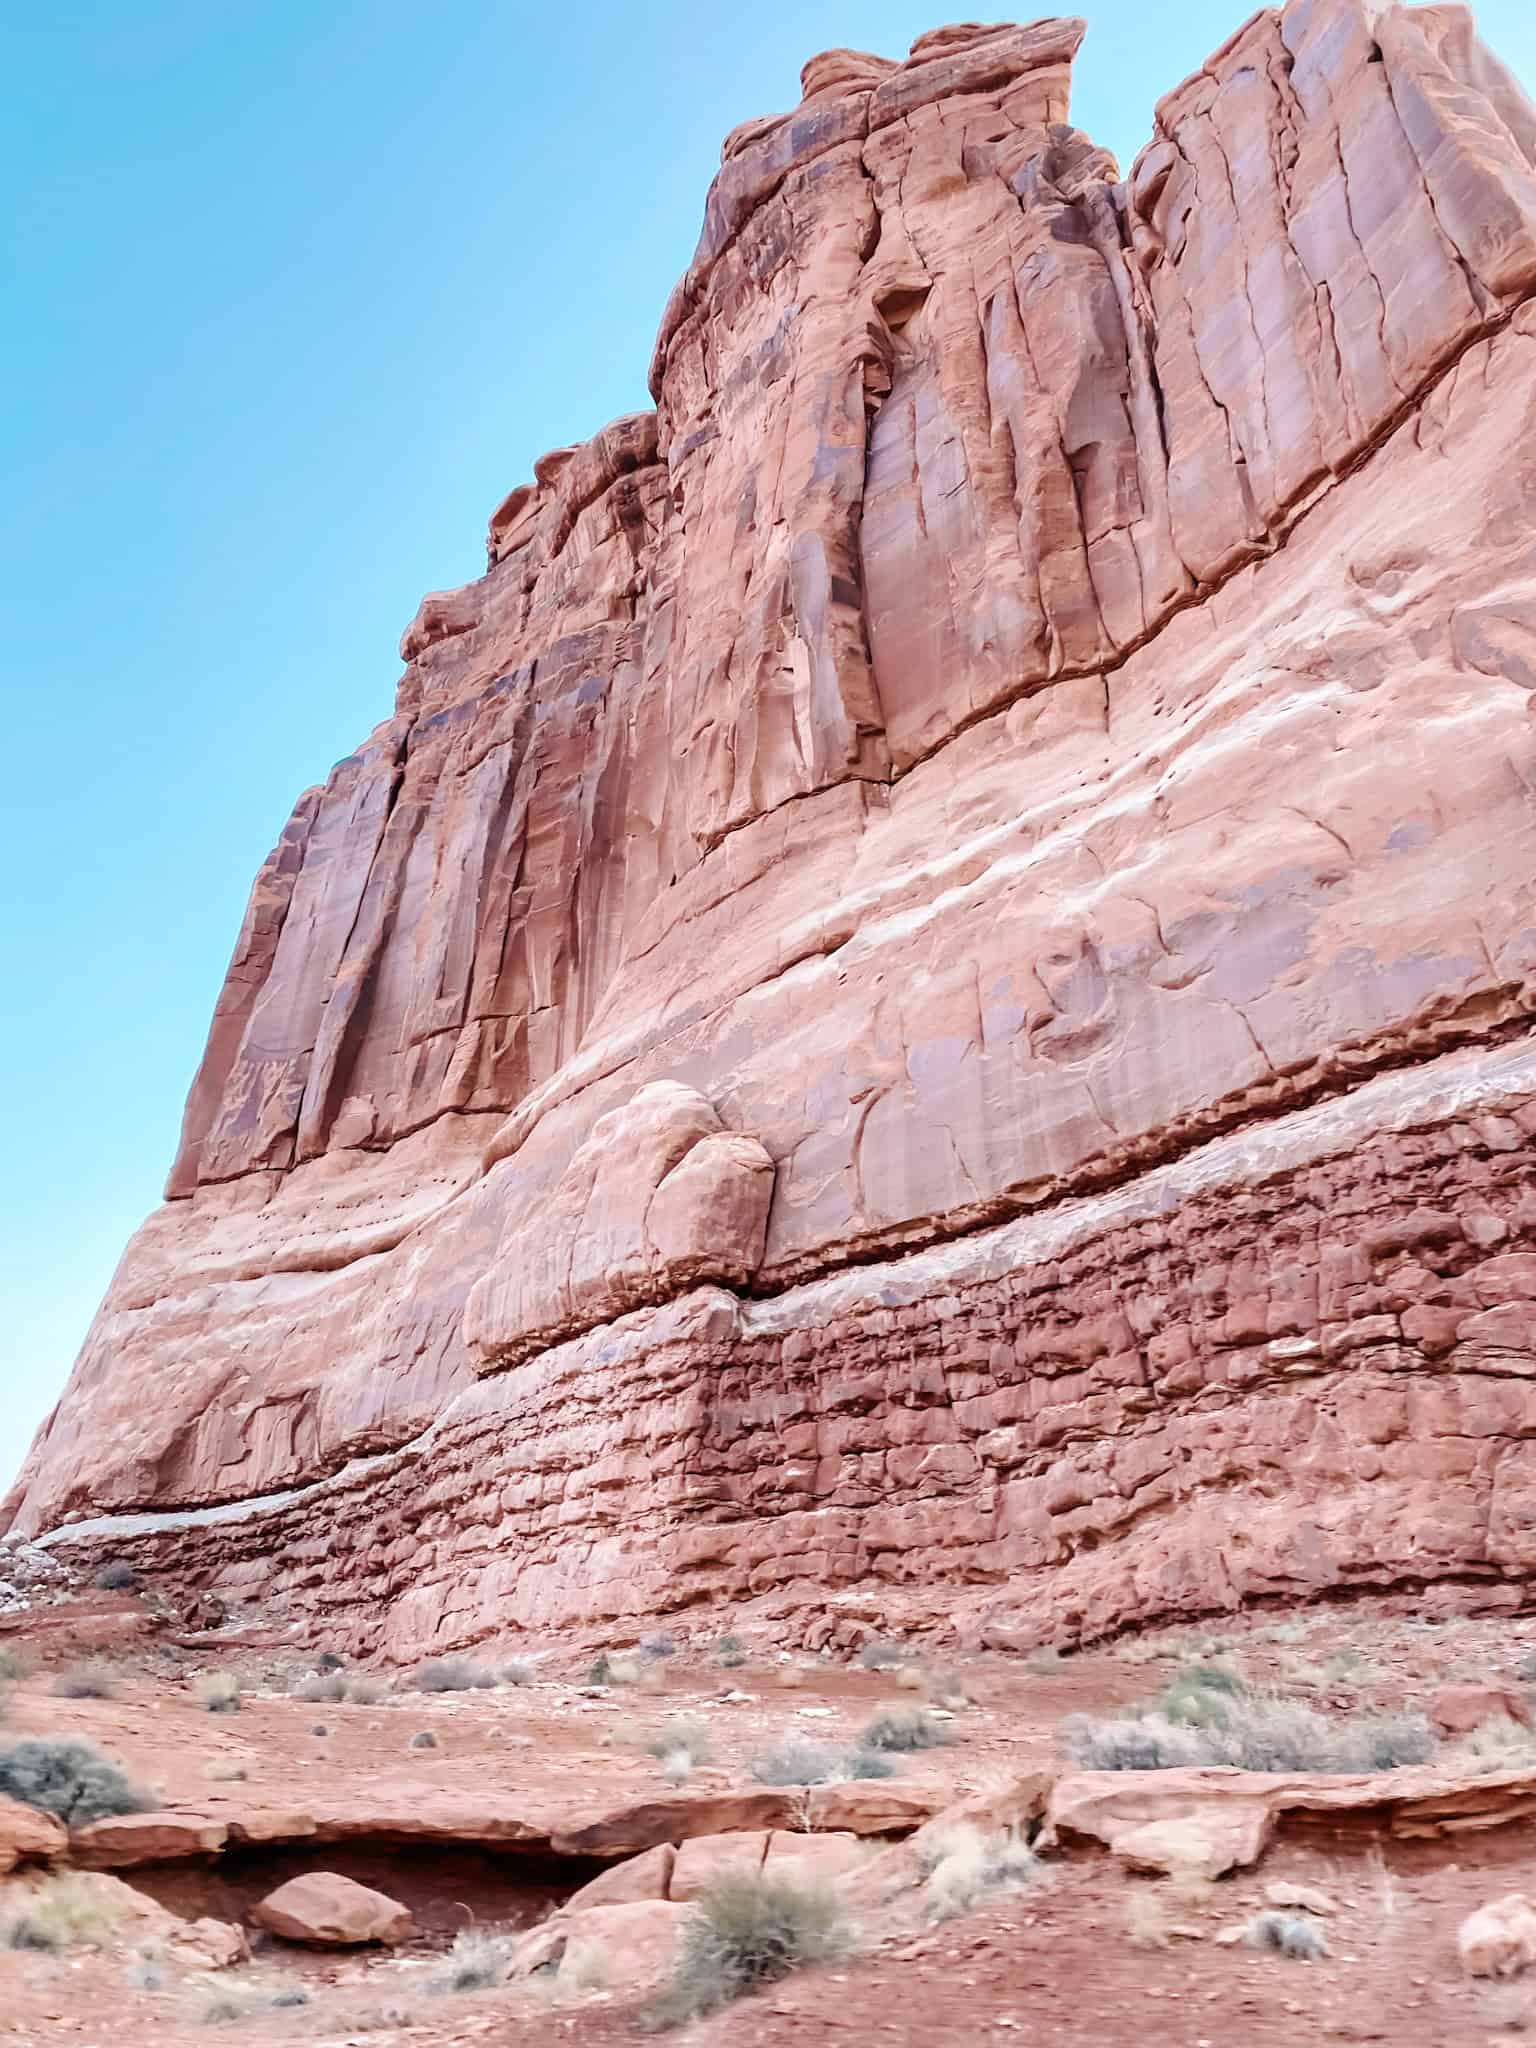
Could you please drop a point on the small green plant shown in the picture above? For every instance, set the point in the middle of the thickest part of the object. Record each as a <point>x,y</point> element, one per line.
<point>69,1779</point>
<point>1286,1934</point>
<point>904,1728</point>
<point>92,1681</point>
<point>798,1762</point>
<point>117,1576</point>
<point>746,1931</point>
<point>454,1674</point>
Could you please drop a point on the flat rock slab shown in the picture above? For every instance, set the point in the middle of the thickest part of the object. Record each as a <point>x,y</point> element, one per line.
<point>330,1911</point>
<point>125,1841</point>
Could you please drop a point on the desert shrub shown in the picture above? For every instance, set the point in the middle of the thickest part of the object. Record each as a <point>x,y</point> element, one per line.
<point>453,1674</point>
<point>798,1762</point>
<point>1286,1934</point>
<point>904,1728</point>
<point>288,1995</point>
<point>319,1728</point>
<point>219,1692</point>
<point>70,1779</point>
<point>476,1962</point>
<point>366,1691</point>
<point>116,1576</point>
<point>1254,1732</point>
<point>65,1912</point>
<point>321,1688</point>
<point>517,1672</point>
<point>223,2012</point>
<point>91,1681</point>
<point>963,1867</point>
<point>746,1931</point>
<point>1046,1663</point>
<point>601,1672</point>
<point>662,1644</point>
<point>878,1655</point>
<point>423,1739</point>
<point>328,1661</point>
<point>947,1689</point>
<point>14,1664</point>
<point>682,1733</point>
<point>731,1651</point>
<point>1201,1695</point>
<point>148,1975</point>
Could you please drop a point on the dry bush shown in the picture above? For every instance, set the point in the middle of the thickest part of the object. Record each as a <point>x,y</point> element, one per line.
<point>963,1867</point>
<point>477,1962</point>
<point>1207,1715</point>
<point>680,1746</point>
<point>69,1779</point>
<point>321,1688</point>
<point>878,1655</point>
<point>1046,1663</point>
<point>423,1739</point>
<point>89,1681</point>
<point>64,1912</point>
<point>746,1931</point>
<point>116,1576</point>
<point>730,1651</point>
<point>517,1672</point>
<point>662,1644</point>
<point>798,1762</point>
<point>1286,1934</point>
<point>905,1728</point>
<point>219,1692</point>
<point>453,1674</point>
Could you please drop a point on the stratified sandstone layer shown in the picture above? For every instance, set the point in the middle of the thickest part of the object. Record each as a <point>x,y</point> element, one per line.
<point>931,985</point>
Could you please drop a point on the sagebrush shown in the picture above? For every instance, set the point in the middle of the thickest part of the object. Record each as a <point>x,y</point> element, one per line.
<point>746,1931</point>
<point>70,1779</point>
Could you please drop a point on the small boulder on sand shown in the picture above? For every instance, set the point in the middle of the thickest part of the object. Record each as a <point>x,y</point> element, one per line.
<point>1499,1939</point>
<point>331,1911</point>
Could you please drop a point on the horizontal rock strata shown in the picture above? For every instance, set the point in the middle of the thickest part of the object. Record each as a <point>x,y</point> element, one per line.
<point>931,983</point>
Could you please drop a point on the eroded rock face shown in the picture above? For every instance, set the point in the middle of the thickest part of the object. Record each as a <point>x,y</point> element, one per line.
<point>930,983</point>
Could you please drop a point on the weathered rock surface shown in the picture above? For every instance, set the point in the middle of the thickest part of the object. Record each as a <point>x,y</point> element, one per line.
<point>331,1911</point>
<point>27,1836</point>
<point>1499,1939</point>
<point>930,983</point>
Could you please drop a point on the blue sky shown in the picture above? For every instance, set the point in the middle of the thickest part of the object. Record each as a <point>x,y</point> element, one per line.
<point>299,291</point>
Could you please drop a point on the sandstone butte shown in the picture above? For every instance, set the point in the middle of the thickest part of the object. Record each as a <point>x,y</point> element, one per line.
<point>924,1007</point>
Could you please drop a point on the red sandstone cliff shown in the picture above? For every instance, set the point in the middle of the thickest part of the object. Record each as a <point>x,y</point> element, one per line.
<point>931,981</point>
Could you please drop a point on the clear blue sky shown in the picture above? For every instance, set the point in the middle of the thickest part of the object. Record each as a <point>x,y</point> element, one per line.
<point>297,292</point>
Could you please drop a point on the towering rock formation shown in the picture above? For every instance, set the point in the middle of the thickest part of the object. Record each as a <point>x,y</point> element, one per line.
<point>925,1004</point>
